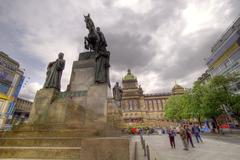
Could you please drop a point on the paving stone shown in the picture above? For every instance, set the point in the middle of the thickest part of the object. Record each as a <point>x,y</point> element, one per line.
<point>211,149</point>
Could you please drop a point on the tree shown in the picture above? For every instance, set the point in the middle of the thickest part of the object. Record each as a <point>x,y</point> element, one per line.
<point>205,101</point>
<point>224,101</point>
<point>173,108</point>
<point>196,101</point>
<point>235,107</point>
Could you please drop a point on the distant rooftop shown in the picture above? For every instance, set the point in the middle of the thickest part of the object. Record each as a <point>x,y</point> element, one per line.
<point>8,58</point>
<point>158,94</point>
<point>177,86</point>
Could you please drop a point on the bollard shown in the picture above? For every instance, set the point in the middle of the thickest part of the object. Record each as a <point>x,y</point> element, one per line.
<point>135,151</point>
<point>142,141</point>
<point>144,148</point>
<point>148,153</point>
<point>141,137</point>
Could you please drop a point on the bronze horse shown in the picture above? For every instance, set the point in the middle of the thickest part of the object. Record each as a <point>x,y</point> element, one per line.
<point>92,40</point>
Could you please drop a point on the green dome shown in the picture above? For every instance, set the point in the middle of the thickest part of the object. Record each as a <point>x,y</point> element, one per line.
<point>129,76</point>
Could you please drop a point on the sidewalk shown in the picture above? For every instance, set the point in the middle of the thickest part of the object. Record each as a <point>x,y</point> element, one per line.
<point>211,149</point>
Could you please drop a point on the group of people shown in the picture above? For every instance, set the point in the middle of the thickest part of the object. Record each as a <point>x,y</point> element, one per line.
<point>185,132</point>
<point>136,131</point>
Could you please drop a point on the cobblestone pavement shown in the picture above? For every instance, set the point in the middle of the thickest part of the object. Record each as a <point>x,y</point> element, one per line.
<point>213,148</point>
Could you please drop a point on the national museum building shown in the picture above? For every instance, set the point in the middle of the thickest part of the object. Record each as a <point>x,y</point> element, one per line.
<point>139,109</point>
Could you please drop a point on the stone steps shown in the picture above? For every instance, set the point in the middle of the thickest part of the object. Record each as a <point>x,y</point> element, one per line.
<point>41,142</point>
<point>50,127</point>
<point>46,142</point>
<point>39,158</point>
<point>56,133</point>
<point>40,152</point>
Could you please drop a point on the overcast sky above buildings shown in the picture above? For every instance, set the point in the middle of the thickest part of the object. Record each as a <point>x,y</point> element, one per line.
<point>161,41</point>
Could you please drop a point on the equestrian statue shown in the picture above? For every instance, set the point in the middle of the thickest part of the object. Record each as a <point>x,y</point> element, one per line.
<point>96,43</point>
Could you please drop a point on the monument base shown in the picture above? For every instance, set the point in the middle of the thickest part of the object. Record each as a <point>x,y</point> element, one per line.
<point>105,149</point>
<point>68,125</point>
<point>83,110</point>
<point>84,102</point>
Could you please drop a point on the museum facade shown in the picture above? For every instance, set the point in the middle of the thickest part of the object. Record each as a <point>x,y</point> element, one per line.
<point>139,109</point>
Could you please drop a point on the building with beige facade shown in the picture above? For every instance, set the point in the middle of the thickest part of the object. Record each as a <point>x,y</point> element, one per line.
<point>22,110</point>
<point>139,109</point>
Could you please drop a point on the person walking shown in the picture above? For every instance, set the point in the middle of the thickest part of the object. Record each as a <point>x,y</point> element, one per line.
<point>183,136</point>
<point>189,135</point>
<point>171,135</point>
<point>196,131</point>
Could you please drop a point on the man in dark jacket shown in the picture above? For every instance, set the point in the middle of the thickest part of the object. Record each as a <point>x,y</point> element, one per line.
<point>171,135</point>
<point>196,131</point>
<point>189,135</point>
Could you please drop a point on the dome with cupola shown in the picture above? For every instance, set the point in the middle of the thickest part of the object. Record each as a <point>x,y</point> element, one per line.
<point>129,81</point>
<point>129,76</point>
<point>177,89</point>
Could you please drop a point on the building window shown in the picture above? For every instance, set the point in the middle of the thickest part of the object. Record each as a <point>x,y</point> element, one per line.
<point>158,105</point>
<point>150,105</point>
<point>236,56</point>
<point>1,105</point>
<point>134,104</point>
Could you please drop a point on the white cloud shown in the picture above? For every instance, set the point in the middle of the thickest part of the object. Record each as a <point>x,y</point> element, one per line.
<point>29,90</point>
<point>204,14</point>
<point>138,6</point>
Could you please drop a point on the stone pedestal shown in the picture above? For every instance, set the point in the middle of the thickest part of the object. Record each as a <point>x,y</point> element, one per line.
<point>42,102</point>
<point>83,72</point>
<point>84,103</point>
<point>105,149</point>
<point>82,79</point>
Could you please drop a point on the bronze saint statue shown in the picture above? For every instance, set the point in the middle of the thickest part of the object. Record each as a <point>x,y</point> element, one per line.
<point>96,41</point>
<point>102,41</point>
<point>54,73</point>
<point>117,92</point>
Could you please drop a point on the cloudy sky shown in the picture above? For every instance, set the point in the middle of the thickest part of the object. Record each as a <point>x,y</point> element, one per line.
<point>159,40</point>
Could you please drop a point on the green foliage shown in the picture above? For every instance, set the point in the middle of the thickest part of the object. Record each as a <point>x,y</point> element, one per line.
<point>173,108</point>
<point>205,101</point>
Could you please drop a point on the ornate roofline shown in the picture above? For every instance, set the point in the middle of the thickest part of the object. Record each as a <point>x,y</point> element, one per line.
<point>158,94</point>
